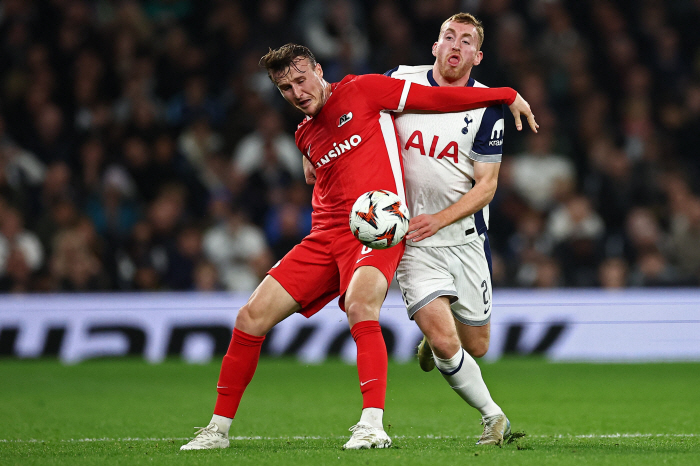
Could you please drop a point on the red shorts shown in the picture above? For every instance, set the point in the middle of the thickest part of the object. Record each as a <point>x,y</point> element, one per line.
<point>320,267</point>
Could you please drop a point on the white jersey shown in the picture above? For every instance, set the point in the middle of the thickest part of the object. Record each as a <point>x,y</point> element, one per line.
<point>438,152</point>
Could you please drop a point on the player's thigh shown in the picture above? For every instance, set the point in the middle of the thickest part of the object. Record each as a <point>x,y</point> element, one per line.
<point>475,340</point>
<point>309,272</point>
<point>365,294</point>
<point>469,266</point>
<point>269,304</point>
<point>365,275</point>
<point>438,325</point>
<point>423,276</point>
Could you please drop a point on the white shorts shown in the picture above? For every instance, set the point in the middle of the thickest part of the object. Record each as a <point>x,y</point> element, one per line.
<point>462,273</point>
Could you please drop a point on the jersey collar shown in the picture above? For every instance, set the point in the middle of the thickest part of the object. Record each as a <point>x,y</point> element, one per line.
<point>434,83</point>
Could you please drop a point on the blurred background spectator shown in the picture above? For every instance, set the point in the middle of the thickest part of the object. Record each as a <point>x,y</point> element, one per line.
<point>238,249</point>
<point>143,148</point>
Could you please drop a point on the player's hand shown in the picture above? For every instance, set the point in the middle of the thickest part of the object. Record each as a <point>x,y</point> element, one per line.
<point>309,171</point>
<point>422,226</point>
<point>520,107</point>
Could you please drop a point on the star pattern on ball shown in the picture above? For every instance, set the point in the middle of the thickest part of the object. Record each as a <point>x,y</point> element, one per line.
<point>394,209</point>
<point>370,216</point>
<point>388,235</point>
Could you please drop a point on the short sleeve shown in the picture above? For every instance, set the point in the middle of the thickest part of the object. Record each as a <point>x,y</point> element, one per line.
<point>488,142</point>
<point>391,71</point>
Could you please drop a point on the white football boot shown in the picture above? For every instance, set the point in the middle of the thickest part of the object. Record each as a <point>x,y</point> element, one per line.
<point>207,438</point>
<point>496,429</point>
<point>425,356</point>
<point>365,436</point>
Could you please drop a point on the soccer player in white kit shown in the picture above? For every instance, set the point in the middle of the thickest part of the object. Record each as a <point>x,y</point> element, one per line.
<point>350,147</point>
<point>451,163</point>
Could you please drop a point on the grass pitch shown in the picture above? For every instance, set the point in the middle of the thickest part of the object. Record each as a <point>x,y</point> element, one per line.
<point>131,412</point>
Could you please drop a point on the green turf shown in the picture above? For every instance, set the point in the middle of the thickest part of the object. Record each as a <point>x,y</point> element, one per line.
<point>130,412</point>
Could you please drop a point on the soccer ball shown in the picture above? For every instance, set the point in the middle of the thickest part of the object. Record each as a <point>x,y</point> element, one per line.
<point>379,219</point>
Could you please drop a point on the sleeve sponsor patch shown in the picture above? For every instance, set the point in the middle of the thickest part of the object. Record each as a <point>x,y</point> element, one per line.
<point>489,137</point>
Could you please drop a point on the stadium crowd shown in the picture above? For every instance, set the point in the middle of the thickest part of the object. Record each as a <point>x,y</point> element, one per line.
<point>143,148</point>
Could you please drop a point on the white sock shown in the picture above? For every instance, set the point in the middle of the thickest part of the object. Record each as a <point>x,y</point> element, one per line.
<point>373,417</point>
<point>464,376</point>
<point>224,423</point>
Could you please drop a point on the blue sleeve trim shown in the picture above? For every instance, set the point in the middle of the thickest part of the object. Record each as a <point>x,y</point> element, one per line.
<point>487,253</point>
<point>489,137</point>
<point>479,222</point>
<point>391,71</point>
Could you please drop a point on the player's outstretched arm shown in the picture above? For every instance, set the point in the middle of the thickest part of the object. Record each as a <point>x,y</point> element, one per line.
<point>397,95</point>
<point>520,108</point>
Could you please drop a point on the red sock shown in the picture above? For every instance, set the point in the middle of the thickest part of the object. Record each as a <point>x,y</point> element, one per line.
<point>237,371</point>
<point>372,362</point>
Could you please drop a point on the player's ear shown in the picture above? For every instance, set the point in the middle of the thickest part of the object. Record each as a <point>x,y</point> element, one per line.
<point>478,57</point>
<point>435,49</point>
<point>318,70</point>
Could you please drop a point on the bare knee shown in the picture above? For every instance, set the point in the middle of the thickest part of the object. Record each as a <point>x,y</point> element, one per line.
<point>475,339</point>
<point>477,348</point>
<point>269,304</point>
<point>252,320</point>
<point>444,346</point>
<point>359,311</point>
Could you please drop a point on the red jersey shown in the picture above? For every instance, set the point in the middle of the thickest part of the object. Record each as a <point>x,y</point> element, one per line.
<point>352,141</point>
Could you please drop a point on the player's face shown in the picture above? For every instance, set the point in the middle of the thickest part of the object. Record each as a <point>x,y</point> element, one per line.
<point>303,86</point>
<point>456,51</point>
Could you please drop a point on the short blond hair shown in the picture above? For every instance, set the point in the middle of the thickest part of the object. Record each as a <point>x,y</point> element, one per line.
<point>466,18</point>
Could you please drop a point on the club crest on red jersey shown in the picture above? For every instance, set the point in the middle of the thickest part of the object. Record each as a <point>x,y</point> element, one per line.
<point>344,119</point>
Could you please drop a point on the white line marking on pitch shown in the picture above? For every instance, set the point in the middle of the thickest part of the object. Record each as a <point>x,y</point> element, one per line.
<point>402,437</point>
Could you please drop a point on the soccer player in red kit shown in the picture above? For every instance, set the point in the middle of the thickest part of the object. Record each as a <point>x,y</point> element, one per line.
<point>350,147</point>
